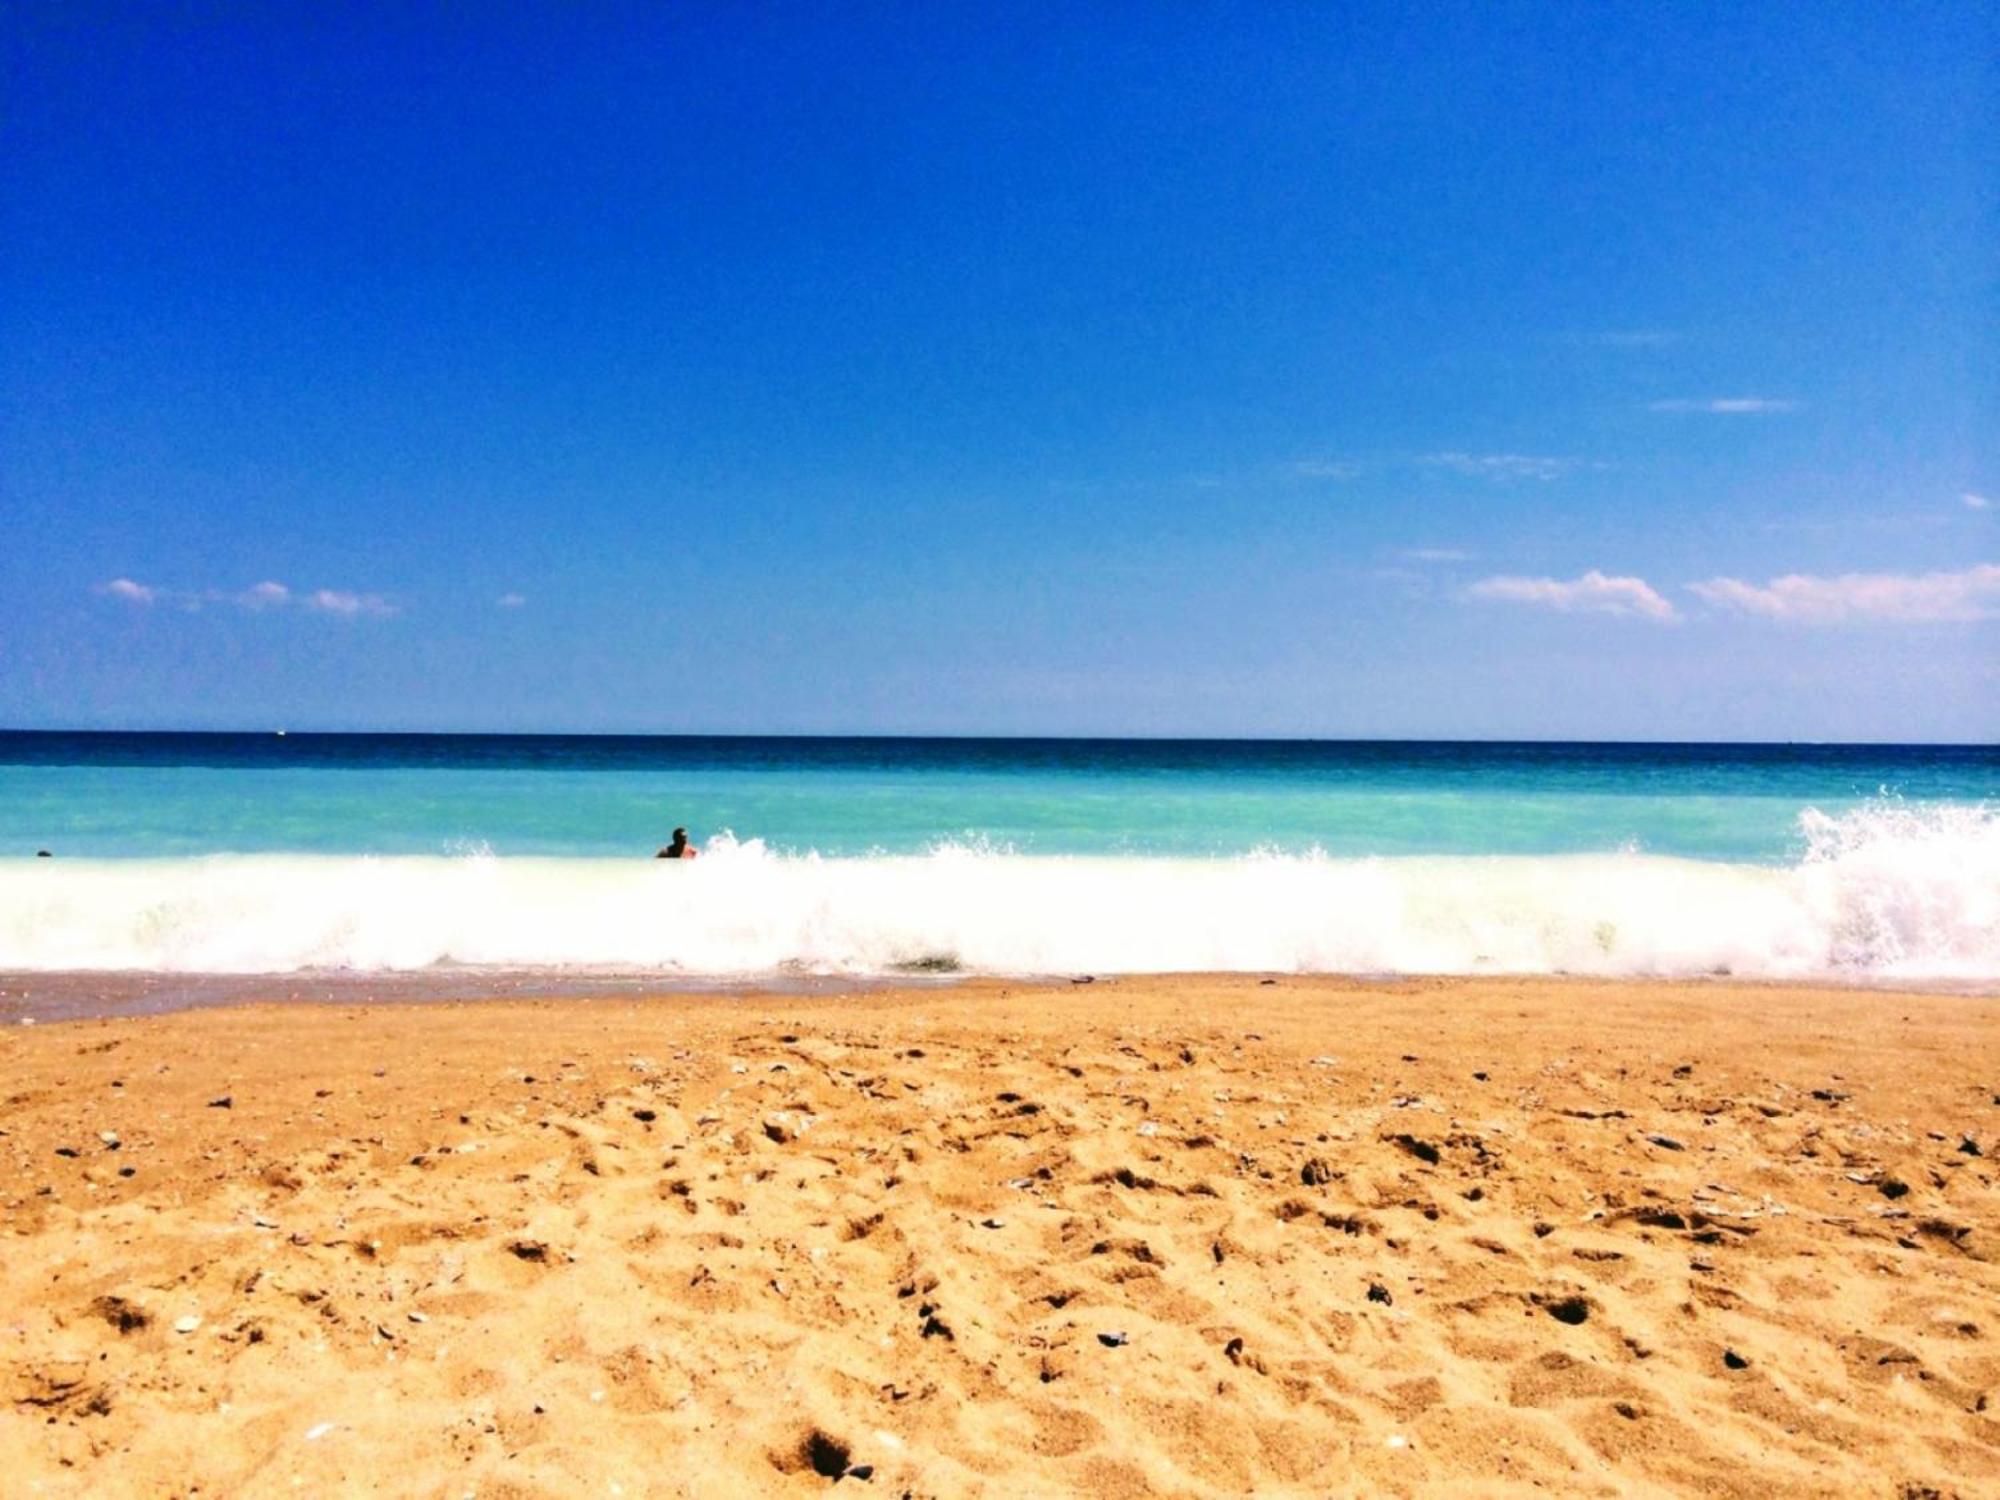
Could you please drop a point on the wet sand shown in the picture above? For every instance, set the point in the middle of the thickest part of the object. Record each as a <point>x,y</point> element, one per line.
<point>1178,1236</point>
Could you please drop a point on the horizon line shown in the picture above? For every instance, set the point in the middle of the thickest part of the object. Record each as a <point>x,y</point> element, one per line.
<point>1022,738</point>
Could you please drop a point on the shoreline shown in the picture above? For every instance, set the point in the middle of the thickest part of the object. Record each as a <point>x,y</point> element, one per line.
<point>1195,1234</point>
<point>55,996</point>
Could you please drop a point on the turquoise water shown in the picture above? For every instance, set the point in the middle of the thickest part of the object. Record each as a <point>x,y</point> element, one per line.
<point>268,854</point>
<point>154,795</point>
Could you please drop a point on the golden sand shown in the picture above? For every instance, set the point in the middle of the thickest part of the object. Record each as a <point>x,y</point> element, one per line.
<point>1182,1236</point>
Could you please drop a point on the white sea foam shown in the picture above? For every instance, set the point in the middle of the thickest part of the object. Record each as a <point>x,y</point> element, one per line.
<point>1885,892</point>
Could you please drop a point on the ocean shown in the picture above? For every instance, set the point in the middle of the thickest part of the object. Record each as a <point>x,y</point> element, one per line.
<point>271,854</point>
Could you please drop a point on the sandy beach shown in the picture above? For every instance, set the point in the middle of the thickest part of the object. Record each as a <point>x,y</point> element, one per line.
<point>1178,1236</point>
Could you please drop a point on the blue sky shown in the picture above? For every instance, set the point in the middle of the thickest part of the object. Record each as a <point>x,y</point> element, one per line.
<point>1624,371</point>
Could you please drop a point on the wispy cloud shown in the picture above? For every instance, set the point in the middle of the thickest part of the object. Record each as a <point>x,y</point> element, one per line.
<point>1976,502</point>
<point>1631,338</point>
<point>511,601</point>
<point>1435,554</point>
<point>1592,593</point>
<point>1727,405</point>
<point>1324,468</point>
<point>349,605</point>
<point>1862,598</point>
<point>129,591</point>
<point>1502,466</point>
<point>268,595</point>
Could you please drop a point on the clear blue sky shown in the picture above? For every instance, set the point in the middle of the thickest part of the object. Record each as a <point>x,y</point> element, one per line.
<point>1621,371</point>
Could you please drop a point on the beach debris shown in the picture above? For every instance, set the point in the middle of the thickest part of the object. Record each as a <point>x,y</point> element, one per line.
<point>1324,1062</point>
<point>1397,1440</point>
<point>1892,1187</point>
<point>1734,1360</point>
<point>121,1313</point>
<point>417,1317</point>
<point>1969,1146</point>
<point>187,1324</point>
<point>110,1139</point>
<point>1020,1184</point>
<point>224,1101</point>
<point>1666,1142</point>
<point>1115,1339</point>
<point>69,1151</point>
<point>529,1250</point>
<point>319,1430</point>
<point>1380,1293</point>
<point>1150,1127</point>
<point>992,1223</point>
<point>1422,1150</point>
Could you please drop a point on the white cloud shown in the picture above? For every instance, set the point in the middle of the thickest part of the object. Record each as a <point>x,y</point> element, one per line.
<point>130,592</point>
<point>1727,405</point>
<point>348,605</point>
<point>1885,598</point>
<point>511,601</point>
<point>257,598</point>
<point>1436,554</point>
<point>1976,502</point>
<point>1501,465</point>
<point>1593,593</point>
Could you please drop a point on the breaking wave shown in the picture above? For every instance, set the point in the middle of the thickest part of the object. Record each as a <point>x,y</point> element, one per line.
<point>1887,891</point>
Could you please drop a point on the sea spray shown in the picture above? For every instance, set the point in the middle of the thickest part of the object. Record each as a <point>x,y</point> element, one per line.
<point>1886,891</point>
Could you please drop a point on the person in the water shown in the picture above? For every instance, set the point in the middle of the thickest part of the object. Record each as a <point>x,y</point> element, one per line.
<point>680,848</point>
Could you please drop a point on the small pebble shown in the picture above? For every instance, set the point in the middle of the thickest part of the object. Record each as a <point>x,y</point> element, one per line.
<point>187,1325</point>
<point>1113,1340</point>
